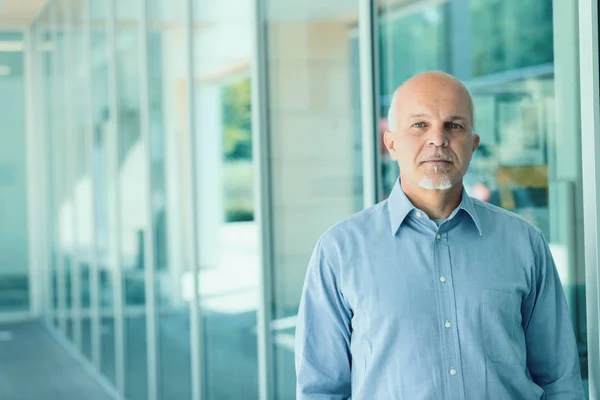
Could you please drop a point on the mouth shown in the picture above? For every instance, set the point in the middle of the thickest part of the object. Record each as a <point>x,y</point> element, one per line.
<point>436,162</point>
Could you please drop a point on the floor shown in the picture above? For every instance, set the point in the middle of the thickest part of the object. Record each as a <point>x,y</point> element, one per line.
<point>35,366</point>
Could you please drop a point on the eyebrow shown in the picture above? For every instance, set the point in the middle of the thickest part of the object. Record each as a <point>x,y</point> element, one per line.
<point>450,118</point>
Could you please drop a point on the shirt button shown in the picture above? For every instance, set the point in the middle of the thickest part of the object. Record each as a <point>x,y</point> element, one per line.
<point>452,372</point>
<point>442,279</point>
<point>419,214</point>
<point>447,324</point>
<point>438,236</point>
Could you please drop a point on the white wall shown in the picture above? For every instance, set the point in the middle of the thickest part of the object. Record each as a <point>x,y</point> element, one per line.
<point>312,154</point>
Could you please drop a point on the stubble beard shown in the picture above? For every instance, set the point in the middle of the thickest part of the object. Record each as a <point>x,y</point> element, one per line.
<point>439,182</point>
<point>442,184</point>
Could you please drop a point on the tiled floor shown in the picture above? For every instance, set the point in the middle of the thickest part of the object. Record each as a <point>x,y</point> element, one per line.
<point>34,366</point>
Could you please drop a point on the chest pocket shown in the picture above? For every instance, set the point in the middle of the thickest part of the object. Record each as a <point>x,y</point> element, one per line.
<point>503,335</point>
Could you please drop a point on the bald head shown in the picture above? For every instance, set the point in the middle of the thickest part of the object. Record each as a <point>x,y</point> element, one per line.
<point>432,85</point>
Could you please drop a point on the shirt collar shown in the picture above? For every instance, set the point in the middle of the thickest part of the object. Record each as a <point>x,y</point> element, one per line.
<point>399,206</point>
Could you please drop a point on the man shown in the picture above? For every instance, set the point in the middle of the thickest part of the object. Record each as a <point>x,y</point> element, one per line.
<point>431,294</point>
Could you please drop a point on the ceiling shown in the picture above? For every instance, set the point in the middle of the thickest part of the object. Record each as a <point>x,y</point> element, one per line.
<point>19,13</point>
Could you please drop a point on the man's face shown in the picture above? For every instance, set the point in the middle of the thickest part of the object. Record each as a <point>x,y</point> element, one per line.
<point>433,141</point>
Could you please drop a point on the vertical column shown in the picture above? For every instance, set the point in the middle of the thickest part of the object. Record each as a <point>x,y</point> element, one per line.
<point>196,337</point>
<point>72,175</point>
<point>564,173</point>
<point>36,195</point>
<point>58,181</point>
<point>261,156</point>
<point>89,127</point>
<point>46,169</point>
<point>590,129</point>
<point>368,40</point>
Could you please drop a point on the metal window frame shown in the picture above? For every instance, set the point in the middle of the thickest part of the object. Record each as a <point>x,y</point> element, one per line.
<point>59,313</point>
<point>261,153</point>
<point>115,212</point>
<point>196,327</point>
<point>36,184</point>
<point>368,43</point>
<point>47,175</point>
<point>149,231</point>
<point>94,269</point>
<point>71,174</point>
<point>590,128</point>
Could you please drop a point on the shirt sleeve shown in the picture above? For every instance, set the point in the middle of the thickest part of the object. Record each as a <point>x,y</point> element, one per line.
<point>322,334</point>
<point>552,356</point>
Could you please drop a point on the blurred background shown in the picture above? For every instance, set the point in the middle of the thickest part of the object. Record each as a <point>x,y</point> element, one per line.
<point>166,167</point>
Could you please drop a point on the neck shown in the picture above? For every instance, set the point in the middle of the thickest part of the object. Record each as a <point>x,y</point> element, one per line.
<point>437,204</point>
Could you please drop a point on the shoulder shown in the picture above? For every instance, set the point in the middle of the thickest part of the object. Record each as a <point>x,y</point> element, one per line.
<point>494,217</point>
<point>358,226</point>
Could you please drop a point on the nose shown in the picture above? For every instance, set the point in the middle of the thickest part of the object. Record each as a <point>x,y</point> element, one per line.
<point>438,136</point>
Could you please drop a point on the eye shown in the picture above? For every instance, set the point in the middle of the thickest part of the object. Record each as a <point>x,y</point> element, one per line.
<point>419,125</point>
<point>453,125</point>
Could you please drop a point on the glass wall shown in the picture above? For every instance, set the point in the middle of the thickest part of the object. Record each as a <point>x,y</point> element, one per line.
<point>170,189</point>
<point>158,255</point>
<point>131,157</point>
<point>14,283</point>
<point>132,227</point>
<point>526,163</point>
<point>80,180</point>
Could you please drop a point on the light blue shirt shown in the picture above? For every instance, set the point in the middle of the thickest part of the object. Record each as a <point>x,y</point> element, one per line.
<point>395,307</point>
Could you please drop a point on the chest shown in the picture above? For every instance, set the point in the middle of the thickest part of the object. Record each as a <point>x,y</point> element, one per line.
<point>417,282</point>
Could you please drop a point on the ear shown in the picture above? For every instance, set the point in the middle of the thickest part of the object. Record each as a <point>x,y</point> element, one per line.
<point>390,143</point>
<point>476,140</point>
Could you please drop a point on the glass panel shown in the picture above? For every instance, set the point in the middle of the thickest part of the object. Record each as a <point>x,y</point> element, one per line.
<point>63,210</point>
<point>316,157</point>
<point>170,190</point>
<point>504,52</point>
<point>228,236</point>
<point>14,282</point>
<point>69,152</point>
<point>80,176</point>
<point>132,160</point>
<point>101,121</point>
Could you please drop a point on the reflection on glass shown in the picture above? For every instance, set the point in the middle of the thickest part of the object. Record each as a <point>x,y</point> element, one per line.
<point>132,159</point>
<point>316,157</point>
<point>47,73</point>
<point>509,35</point>
<point>61,185</point>
<point>14,282</point>
<point>100,169</point>
<point>503,51</point>
<point>170,193</point>
<point>228,236</point>
<point>81,188</point>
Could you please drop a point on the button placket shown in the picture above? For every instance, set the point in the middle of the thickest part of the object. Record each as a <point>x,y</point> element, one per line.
<point>447,313</point>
